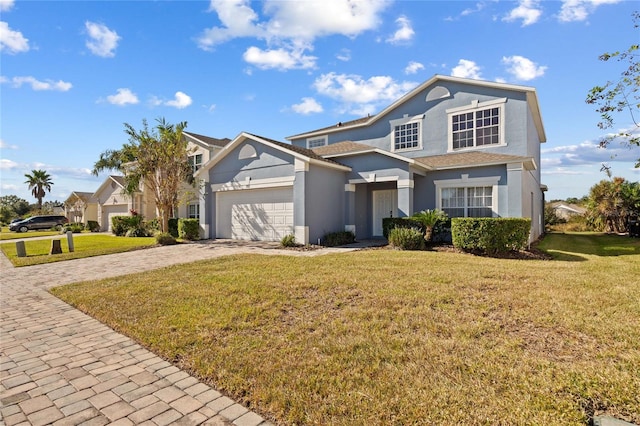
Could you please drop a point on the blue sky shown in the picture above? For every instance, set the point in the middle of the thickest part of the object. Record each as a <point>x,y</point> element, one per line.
<point>73,72</point>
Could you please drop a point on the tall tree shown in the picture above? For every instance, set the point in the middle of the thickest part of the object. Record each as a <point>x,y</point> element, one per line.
<point>156,158</point>
<point>611,203</point>
<point>621,95</point>
<point>38,181</point>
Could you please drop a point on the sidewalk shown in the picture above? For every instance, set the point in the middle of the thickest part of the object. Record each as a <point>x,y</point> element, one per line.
<point>59,366</point>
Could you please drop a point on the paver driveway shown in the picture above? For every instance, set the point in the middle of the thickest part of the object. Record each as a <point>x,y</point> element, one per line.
<point>59,366</point>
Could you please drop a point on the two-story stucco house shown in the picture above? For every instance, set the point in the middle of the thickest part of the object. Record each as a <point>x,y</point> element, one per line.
<point>468,147</point>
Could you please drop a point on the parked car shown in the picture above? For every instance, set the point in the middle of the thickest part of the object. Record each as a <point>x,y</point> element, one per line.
<point>39,222</point>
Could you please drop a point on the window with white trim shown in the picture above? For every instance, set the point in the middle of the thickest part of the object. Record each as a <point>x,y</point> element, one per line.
<point>478,125</point>
<point>468,197</point>
<point>193,211</point>
<point>406,136</point>
<point>316,142</point>
<point>195,161</point>
<point>475,201</point>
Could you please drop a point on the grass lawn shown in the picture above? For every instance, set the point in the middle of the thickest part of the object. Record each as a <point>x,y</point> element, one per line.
<point>5,234</point>
<point>383,337</point>
<point>85,246</point>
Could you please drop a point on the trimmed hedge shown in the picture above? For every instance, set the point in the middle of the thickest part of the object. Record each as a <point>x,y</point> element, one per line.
<point>341,238</point>
<point>173,227</point>
<point>189,229</point>
<point>389,223</point>
<point>165,239</point>
<point>406,239</point>
<point>92,226</point>
<point>490,234</point>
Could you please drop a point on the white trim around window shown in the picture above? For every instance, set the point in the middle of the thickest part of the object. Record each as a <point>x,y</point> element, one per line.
<point>317,141</point>
<point>467,189</point>
<point>475,125</point>
<point>406,134</point>
<point>193,211</point>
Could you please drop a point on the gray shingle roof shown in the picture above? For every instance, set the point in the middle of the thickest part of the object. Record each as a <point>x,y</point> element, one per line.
<point>209,140</point>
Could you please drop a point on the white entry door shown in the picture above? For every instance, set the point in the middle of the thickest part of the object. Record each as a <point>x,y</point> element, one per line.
<point>385,204</point>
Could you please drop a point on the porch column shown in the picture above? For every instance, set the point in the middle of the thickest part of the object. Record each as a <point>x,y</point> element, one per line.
<point>300,228</point>
<point>207,207</point>
<point>350,208</point>
<point>405,197</point>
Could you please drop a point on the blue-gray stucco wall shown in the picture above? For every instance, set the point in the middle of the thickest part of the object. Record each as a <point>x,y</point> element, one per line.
<point>324,201</point>
<point>268,163</point>
<point>518,126</point>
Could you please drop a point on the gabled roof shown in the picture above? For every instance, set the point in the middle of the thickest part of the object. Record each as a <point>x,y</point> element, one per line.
<point>348,148</point>
<point>345,147</point>
<point>208,140</point>
<point>532,100</point>
<point>298,152</point>
<point>84,196</point>
<point>569,207</point>
<point>473,159</point>
<point>119,180</point>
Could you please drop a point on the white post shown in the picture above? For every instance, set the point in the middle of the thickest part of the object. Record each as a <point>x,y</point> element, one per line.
<point>70,241</point>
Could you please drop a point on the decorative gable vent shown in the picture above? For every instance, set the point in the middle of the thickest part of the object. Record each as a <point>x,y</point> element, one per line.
<point>437,92</point>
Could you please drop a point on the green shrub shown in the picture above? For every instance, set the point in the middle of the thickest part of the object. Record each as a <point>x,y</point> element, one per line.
<point>76,228</point>
<point>136,232</point>
<point>119,225</point>
<point>189,229</point>
<point>288,241</point>
<point>406,238</point>
<point>92,226</point>
<point>490,234</point>
<point>389,223</point>
<point>165,239</point>
<point>152,225</point>
<point>341,238</point>
<point>173,227</point>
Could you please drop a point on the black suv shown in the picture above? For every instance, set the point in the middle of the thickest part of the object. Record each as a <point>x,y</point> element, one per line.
<point>39,222</point>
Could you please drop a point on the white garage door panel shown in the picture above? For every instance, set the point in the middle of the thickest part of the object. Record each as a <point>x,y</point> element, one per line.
<point>264,214</point>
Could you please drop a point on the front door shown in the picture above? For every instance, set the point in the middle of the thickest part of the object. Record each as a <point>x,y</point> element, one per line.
<point>385,204</point>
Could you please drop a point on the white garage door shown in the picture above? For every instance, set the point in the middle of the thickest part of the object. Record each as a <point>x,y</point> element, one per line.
<point>110,211</point>
<point>259,214</point>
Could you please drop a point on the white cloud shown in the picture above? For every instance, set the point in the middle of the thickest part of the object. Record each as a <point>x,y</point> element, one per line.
<point>307,106</point>
<point>61,86</point>
<point>12,41</point>
<point>289,27</point>
<point>579,10</point>
<point>466,69</point>
<point>360,96</point>
<point>479,6</point>
<point>522,68</point>
<point>281,59</point>
<point>587,153</point>
<point>102,41</point>
<point>404,33</point>
<point>9,187</point>
<point>344,55</point>
<point>7,164</point>
<point>182,100</point>
<point>123,97</point>
<point>4,145</point>
<point>6,5</point>
<point>528,10</point>
<point>413,67</point>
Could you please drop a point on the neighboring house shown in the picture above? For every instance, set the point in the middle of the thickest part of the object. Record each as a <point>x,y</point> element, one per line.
<point>81,207</point>
<point>566,210</point>
<point>468,147</point>
<point>110,199</point>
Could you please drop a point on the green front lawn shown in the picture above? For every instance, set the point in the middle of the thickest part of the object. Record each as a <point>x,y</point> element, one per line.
<point>5,234</point>
<point>85,246</point>
<point>385,337</point>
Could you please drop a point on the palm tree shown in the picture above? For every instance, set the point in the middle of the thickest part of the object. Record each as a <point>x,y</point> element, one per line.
<point>38,181</point>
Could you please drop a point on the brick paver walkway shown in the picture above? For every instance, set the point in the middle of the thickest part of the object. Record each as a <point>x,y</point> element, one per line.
<point>59,366</point>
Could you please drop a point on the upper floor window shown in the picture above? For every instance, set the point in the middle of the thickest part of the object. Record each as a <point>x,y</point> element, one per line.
<point>406,136</point>
<point>481,124</point>
<point>195,161</point>
<point>316,142</point>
